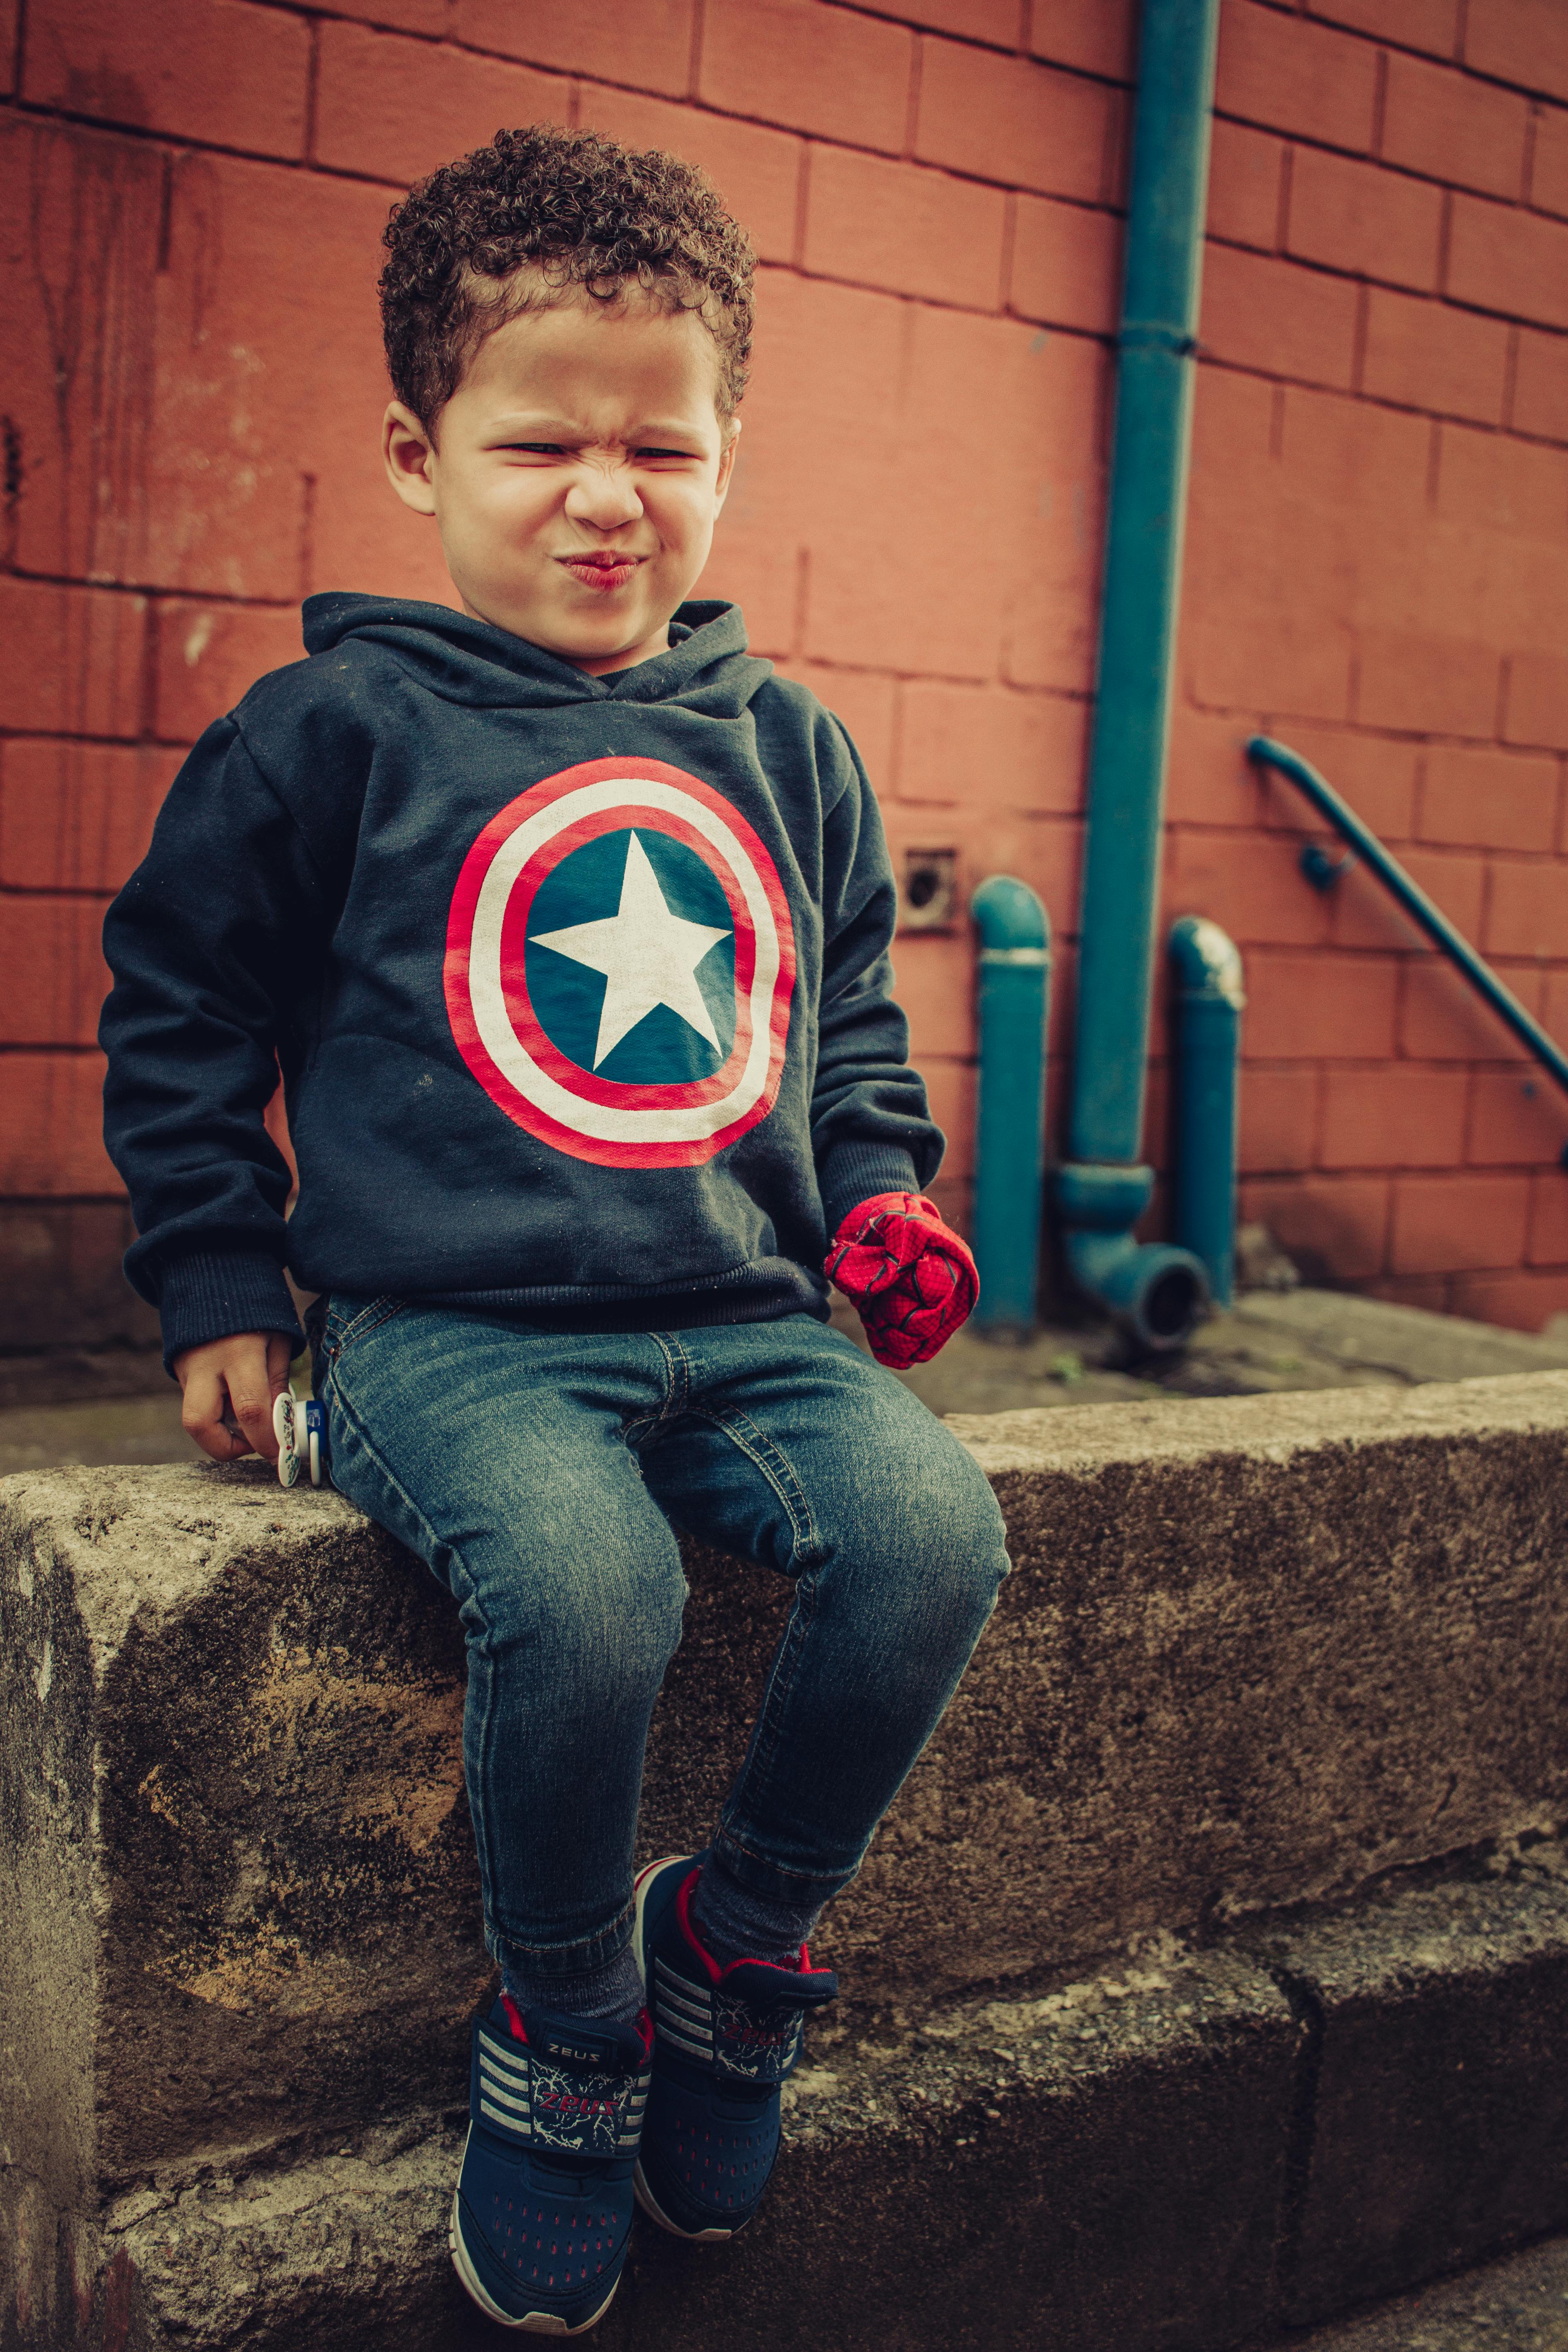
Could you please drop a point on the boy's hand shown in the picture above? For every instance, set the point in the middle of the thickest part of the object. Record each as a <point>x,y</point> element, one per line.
<point>229,1386</point>
<point>910,1277</point>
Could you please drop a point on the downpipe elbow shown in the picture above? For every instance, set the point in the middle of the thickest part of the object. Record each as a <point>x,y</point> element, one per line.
<point>1157,1294</point>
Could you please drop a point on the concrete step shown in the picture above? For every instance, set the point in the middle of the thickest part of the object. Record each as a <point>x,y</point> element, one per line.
<point>1254,1653</point>
<point>1170,2153</point>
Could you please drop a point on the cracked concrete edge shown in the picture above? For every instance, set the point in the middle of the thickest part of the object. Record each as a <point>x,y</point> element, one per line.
<point>348,2249</point>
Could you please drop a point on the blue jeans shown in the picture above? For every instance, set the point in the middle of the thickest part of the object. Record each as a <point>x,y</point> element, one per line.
<point>538,1475</point>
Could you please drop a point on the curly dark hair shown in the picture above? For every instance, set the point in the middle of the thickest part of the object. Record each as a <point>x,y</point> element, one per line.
<point>571,209</point>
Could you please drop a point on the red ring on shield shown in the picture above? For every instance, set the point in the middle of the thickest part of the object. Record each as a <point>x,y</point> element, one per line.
<point>493,1023</point>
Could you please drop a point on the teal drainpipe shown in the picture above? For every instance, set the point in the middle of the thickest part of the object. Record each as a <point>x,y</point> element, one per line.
<point>1209,1002</point>
<point>1010,1121</point>
<point>1160,1294</point>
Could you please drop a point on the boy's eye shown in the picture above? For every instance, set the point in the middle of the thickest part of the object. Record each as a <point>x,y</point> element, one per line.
<point>665,453</point>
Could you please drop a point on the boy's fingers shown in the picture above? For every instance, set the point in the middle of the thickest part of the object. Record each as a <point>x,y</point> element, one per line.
<point>250,1394</point>
<point>202,1416</point>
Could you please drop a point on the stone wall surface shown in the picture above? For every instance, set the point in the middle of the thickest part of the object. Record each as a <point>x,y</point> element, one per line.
<point>1253,1653</point>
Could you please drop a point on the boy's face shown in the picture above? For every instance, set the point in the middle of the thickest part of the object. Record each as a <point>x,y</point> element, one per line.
<point>578,474</point>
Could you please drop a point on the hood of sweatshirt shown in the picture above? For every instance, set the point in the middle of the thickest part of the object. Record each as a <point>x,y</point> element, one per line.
<point>707,668</point>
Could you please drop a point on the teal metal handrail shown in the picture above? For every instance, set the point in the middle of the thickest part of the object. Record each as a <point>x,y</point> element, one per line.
<point>1411,897</point>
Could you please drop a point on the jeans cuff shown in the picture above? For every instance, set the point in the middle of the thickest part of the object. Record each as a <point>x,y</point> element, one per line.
<point>802,1889</point>
<point>567,1960</point>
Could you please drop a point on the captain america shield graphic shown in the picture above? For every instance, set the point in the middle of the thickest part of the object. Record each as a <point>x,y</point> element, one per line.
<point>620,962</point>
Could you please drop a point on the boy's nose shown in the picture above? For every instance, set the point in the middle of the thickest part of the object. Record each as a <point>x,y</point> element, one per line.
<point>604,498</point>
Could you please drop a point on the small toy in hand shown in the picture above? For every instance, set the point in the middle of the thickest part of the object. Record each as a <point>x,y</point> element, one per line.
<point>291,1422</point>
<point>910,1275</point>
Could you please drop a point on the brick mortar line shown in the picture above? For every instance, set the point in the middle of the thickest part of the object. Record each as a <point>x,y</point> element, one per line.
<point>1460,65</point>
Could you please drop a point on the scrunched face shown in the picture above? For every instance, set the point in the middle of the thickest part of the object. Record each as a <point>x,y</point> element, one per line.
<point>577,473</point>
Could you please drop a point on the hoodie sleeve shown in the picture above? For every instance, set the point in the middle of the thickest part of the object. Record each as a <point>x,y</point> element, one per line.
<point>211,944</point>
<point>871,1129</point>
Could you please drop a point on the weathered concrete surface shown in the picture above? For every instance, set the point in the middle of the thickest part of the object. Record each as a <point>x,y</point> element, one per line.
<point>1005,2169</point>
<point>1518,2304</point>
<point>1437,2018</point>
<point>1252,1654</point>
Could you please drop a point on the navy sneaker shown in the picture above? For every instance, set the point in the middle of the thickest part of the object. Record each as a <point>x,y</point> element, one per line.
<point>724,2040</point>
<point>543,2202</point>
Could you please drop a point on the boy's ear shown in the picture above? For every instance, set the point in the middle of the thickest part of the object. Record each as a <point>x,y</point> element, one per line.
<point>726,462</point>
<point>406,451</point>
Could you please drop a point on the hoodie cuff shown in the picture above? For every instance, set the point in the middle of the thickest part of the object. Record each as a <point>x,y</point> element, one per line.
<point>205,1298</point>
<point>853,1172</point>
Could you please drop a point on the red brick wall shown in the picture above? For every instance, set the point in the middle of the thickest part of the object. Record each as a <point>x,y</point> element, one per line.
<point>1378,544</point>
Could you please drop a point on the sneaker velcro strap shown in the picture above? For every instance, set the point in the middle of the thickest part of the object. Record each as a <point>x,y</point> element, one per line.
<point>538,2103</point>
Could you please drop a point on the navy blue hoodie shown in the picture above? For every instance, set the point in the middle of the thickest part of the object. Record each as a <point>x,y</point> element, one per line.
<point>579,987</point>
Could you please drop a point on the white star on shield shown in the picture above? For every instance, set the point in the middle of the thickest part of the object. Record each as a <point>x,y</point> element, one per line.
<point>649,957</point>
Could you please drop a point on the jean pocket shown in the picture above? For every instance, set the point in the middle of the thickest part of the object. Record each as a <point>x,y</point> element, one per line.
<point>349,1320</point>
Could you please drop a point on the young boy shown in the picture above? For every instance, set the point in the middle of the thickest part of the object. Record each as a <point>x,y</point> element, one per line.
<point>567,922</point>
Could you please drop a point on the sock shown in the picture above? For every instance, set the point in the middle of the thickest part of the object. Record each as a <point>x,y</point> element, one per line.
<point>613,1991</point>
<point>734,1924</point>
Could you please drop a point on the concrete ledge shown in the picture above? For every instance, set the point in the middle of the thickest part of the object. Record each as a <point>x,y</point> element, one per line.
<point>1254,1653</point>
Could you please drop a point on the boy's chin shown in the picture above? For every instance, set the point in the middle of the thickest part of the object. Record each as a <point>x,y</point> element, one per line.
<point>605,640</point>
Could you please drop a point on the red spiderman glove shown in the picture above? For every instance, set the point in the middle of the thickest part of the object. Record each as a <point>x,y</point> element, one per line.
<point>910,1277</point>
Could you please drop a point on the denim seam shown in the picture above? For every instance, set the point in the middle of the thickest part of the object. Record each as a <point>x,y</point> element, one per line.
<point>367,1320</point>
<point>487,1876</point>
<point>759,1764</point>
<point>585,1951</point>
<point>678,1365</point>
<point>776,1467</point>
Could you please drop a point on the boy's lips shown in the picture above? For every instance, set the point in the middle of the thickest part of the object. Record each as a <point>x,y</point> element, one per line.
<point>600,572</point>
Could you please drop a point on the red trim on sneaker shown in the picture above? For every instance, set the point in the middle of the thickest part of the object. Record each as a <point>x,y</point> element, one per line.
<point>514,2016</point>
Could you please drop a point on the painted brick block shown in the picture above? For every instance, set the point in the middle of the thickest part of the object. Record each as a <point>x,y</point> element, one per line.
<point>1516,1117</point>
<point>1522,41</point>
<point>52,1127</point>
<point>1246,168</point>
<point>1377,777</point>
<point>934,983</point>
<point>1427,686</point>
<point>1549,161</point>
<point>74,816</point>
<point>1290,74</point>
<point>995,21</point>
<point>217,71</point>
<point>979,749</point>
<point>648,45</point>
<point>1445,1224</point>
<point>1097,37</point>
<point>1519,1302</point>
<point>1208,778</point>
<point>1541,386</point>
<point>1347,453</point>
<point>763,578</point>
<point>1266,314</point>
<point>1278,1117</point>
<point>756,172</point>
<point>1432,25</point>
<point>57,978</point>
<point>1334,1227</point>
<point>1294,669</point>
<point>1528,911</point>
<point>1501,259</point>
<point>1489,800</point>
<point>904,228</point>
<point>1434,356</point>
<point>1401,1115</point>
<point>1249,884</point>
<point>1453,127</point>
<point>1354,215</point>
<point>1320,1006</point>
<point>1067,265</point>
<point>205,657</point>
<point>1549,1218</point>
<point>1536,710</point>
<point>394,109</point>
<point>1503,484</point>
<point>809,68</point>
<point>74,658</point>
<point>1009,118</point>
<point>1550,1002</point>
